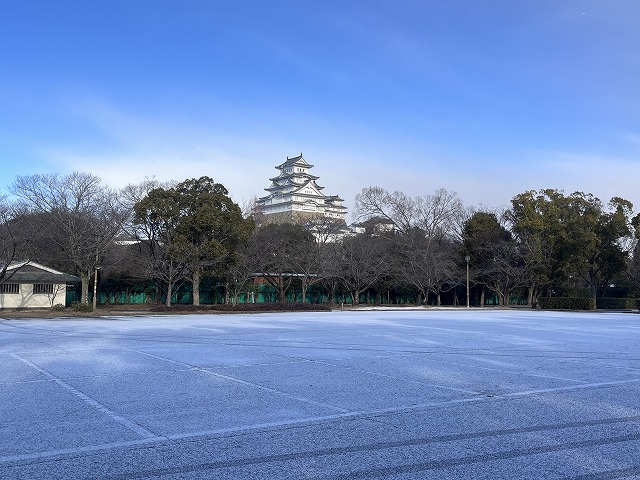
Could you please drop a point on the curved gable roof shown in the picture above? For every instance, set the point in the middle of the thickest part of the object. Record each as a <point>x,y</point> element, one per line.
<point>298,161</point>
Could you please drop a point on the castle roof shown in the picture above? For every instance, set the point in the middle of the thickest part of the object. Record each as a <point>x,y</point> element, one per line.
<point>295,161</point>
<point>285,176</point>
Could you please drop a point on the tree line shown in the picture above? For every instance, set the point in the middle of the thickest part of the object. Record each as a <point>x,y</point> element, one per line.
<point>191,233</point>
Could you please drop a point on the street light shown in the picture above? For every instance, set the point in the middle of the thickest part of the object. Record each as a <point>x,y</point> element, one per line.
<point>97,239</point>
<point>466,259</point>
<point>95,286</point>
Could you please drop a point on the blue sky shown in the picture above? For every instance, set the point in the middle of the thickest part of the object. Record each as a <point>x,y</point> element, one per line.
<point>488,99</point>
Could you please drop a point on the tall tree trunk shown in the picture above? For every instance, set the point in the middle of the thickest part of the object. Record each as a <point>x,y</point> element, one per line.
<point>169,293</point>
<point>85,288</point>
<point>195,281</point>
<point>355,297</point>
<point>530,296</point>
<point>592,282</point>
<point>536,297</point>
<point>482,295</point>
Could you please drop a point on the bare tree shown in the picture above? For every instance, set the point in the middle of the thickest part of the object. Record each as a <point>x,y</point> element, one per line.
<point>55,291</point>
<point>326,229</point>
<point>136,192</point>
<point>506,269</point>
<point>428,227</point>
<point>239,275</point>
<point>362,263</point>
<point>396,207</point>
<point>249,208</point>
<point>308,265</point>
<point>439,214</point>
<point>426,263</point>
<point>15,236</point>
<point>435,214</point>
<point>277,251</point>
<point>331,268</point>
<point>78,217</point>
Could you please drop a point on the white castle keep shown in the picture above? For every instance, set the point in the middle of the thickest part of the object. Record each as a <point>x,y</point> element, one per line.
<point>295,196</point>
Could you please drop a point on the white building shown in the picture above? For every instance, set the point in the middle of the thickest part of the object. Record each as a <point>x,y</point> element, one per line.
<point>31,285</point>
<point>295,196</point>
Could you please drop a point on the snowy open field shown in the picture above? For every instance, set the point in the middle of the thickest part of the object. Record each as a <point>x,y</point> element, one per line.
<point>376,394</point>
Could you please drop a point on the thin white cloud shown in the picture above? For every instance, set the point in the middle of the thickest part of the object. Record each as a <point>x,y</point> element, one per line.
<point>605,176</point>
<point>138,146</point>
<point>239,174</point>
<point>135,147</point>
<point>631,138</point>
<point>346,172</point>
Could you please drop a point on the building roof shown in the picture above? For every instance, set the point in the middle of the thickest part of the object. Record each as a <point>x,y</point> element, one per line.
<point>31,272</point>
<point>299,161</point>
<point>296,188</point>
<point>288,176</point>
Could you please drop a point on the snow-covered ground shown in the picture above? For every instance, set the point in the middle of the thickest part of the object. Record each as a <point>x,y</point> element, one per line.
<point>407,394</point>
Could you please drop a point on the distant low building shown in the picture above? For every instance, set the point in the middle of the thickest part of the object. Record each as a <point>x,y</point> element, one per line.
<point>294,196</point>
<point>31,285</point>
<point>373,226</point>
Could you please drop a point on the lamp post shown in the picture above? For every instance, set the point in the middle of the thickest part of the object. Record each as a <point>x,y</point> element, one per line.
<point>95,286</point>
<point>97,239</point>
<point>466,259</point>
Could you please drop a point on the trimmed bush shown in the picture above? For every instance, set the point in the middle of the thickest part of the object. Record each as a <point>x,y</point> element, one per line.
<point>245,307</point>
<point>82,307</point>
<point>567,303</point>
<point>58,307</point>
<point>606,303</point>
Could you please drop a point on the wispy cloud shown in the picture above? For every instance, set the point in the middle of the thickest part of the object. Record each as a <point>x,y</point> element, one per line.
<point>604,175</point>
<point>630,137</point>
<point>135,146</point>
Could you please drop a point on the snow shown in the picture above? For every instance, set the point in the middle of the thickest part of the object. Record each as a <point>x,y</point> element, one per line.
<point>415,393</point>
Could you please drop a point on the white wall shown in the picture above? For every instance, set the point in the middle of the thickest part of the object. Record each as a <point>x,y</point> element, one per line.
<point>27,299</point>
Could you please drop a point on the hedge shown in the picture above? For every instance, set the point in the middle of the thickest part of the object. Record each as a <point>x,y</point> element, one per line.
<point>245,307</point>
<point>567,303</point>
<point>606,303</point>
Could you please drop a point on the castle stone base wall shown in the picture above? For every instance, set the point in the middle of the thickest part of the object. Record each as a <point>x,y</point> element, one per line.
<point>291,216</point>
